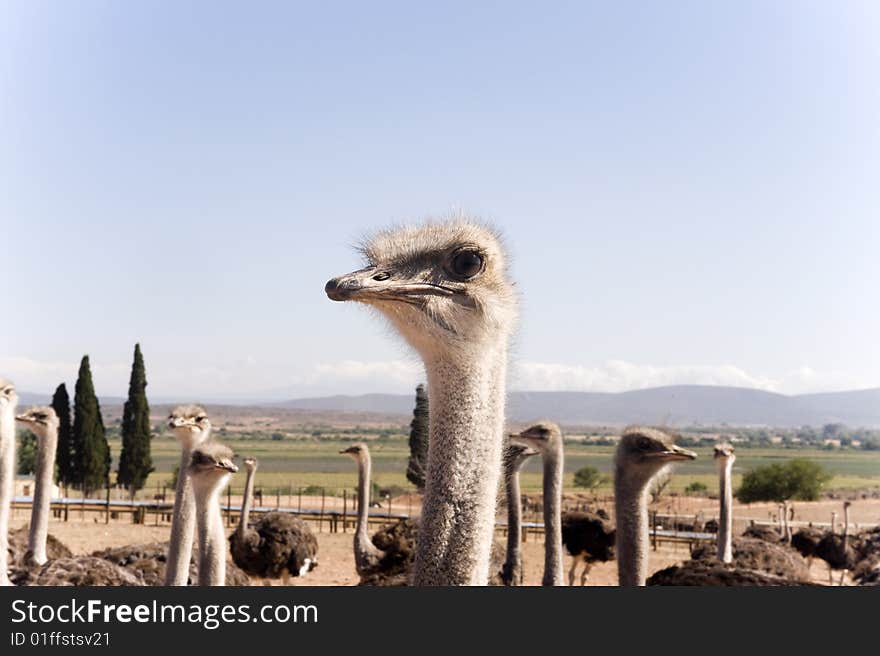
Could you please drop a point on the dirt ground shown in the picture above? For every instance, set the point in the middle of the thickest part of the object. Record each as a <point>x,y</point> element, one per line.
<point>336,561</point>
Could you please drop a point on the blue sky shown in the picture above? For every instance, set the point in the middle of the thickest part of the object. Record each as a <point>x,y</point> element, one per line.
<point>689,190</point>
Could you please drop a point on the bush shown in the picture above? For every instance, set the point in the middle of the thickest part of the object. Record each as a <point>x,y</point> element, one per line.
<point>588,477</point>
<point>696,489</point>
<point>797,479</point>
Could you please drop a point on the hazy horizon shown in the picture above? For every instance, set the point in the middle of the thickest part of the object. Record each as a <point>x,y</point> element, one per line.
<point>688,192</point>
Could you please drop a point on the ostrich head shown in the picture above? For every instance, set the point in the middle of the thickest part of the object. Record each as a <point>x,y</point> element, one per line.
<point>40,420</point>
<point>443,286</point>
<point>250,464</point>
<point>544,437</point>
<point>8,398</point>
<point>515,455</point>
<point>190,424</point>
<point>356,451</point>
<point>724,455</point>
<point>644,452</point>
<point>211,465</point>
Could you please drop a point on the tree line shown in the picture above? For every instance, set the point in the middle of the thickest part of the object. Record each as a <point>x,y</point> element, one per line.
<point>83,457</point>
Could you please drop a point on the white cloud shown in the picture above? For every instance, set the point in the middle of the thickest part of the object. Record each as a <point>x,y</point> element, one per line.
<point>619,376</point>
<point>246,378</point>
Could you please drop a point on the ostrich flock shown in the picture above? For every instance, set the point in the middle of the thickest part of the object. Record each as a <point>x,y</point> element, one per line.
<point>445,289</point>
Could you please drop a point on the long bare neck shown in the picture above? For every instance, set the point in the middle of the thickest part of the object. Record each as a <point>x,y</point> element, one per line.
<point>466,416</point>
<point>366,554</point>
<point>43,475</point>
<point>725,519</point>
<point>183,525</point>
<point>7,478</point>
<point>631,515</point>
<point>246,501</point>
<point>212,537</point>
<point>513,561</point>
<point>553,466</point>
<point>845,525</point>
<point>787,532</point>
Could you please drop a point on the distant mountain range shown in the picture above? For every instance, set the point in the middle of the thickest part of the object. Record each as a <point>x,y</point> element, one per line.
<point>679,405</point>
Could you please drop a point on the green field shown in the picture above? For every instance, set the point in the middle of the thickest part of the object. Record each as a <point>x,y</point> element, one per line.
<point>303,462</point>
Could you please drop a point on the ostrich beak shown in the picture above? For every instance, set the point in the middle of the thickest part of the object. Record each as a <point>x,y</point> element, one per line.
<point>677,453</point>
<point>373,284</point>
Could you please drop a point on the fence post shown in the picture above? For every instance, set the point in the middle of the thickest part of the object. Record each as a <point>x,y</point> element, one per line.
<point>654,530</point>
<point>107,514</point>
<point>321,516</point>
<point>344,507</point>
<point>299,503</point>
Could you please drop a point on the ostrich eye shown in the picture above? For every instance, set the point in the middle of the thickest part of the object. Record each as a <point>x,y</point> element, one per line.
<point>467,264</point>
<point>645,444</point>
<point>383,275</point>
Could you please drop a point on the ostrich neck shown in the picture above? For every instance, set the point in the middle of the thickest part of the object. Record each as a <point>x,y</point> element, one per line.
<point>246,503</point>
<point>212,537</point>
<point>513,564</point>
<point>466,422</point>
<point>43,475</point>
<point>7,477</point>
<point>631,515</point>
<point>553,464</point>
<point>725,518</point>
<point>183,524</point>
<point>845,526</point>
<point>366,554</point>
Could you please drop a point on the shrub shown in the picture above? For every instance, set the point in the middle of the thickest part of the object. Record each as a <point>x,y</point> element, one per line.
<point>588,477</point>
<point>797,479</point>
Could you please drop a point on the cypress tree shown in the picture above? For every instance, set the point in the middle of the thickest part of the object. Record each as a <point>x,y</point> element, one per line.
<point>418,440</point>
<point>91,453</point>
<point>64,455</point>
<point>135,463</point>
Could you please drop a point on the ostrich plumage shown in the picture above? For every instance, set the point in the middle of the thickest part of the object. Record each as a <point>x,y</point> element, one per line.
<point>762,532</point>
<point>148,561</point>
<point>758,555</point>
<point>715,573</point>
<point>20,570</point>
<point>82,571</point>
<point>587,536</point>
<point>806,540</point>
<point>835,550</point>
<point>18,546</point>
<point>277,544</point>
<point>397,543</point>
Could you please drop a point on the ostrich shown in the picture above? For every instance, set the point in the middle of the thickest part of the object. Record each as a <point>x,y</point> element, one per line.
<point>641,454</point>
<point>805,541</point>
<point>391,564</point>
<point>745,553</point>
<point>836,550</point>
<point>43,423</point>
<point>209,469</point>
<point>546,438</point>
<point>147,561</point>
<point>192,427</point>
<point>278,544</point>
<point>589,537</point>
<point>8,402</point>
<point>444,288</point>
<point>586,536</point>
<point>724,459</point>
<point>515,456</point>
